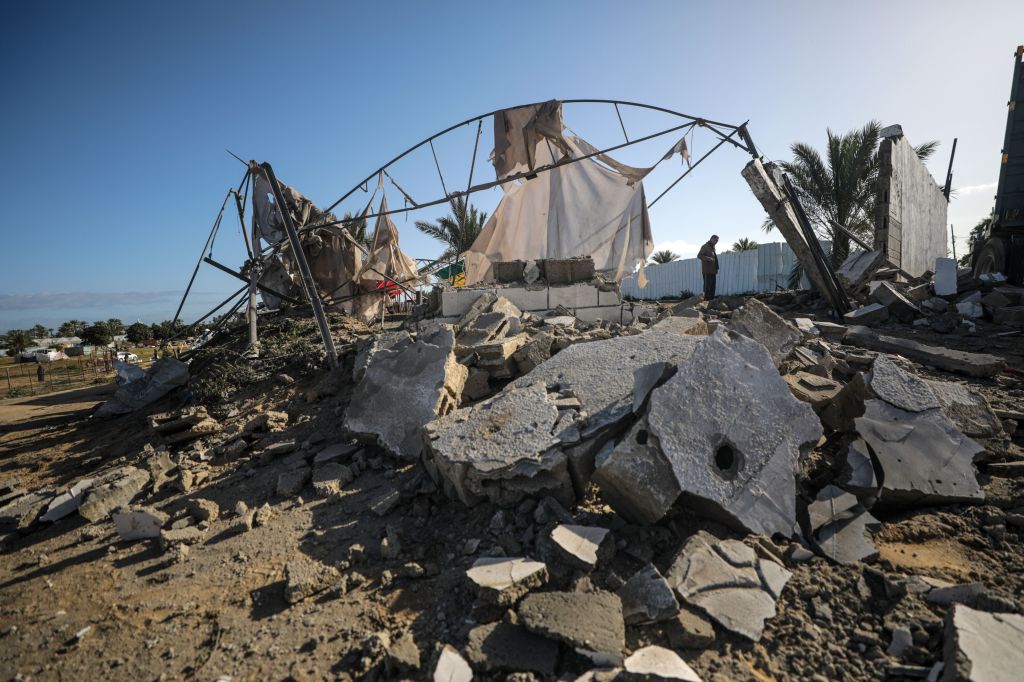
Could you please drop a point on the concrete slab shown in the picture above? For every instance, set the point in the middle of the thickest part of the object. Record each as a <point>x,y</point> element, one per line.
<point>497,647</point>
<point>647,598</point>
<point>839,525</point>
<point>898,387</point>
<point>983,647</point>
<point>503,581</point>
<point>970,364</point>
<point>138,523</point>
<point>945,277</point>
<point>112,491</point>
<point>452,667</point>
<point>759,322</point>
<point>658,663</point>
<point>590,622</point>
<point>582,546</point>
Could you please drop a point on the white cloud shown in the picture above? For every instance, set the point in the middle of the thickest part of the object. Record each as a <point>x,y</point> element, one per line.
<point>684,248</point>
<point>974,189</point>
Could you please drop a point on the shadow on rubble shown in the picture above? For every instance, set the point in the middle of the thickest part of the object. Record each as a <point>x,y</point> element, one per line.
<point>56,567</point>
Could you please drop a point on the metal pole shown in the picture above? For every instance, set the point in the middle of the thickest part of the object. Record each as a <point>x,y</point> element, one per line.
<point>300,258</point>
<point>949,173</point>
<point>952,236</point>
<point>250,310</point>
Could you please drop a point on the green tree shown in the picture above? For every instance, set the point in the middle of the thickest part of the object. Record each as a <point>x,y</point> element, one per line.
<point>358,228</point>
<point>39,332</point>
<point>975,240</point>
<point>97,334</point>
<point>165,330</point>
<point>457,231</point>
<point>71,328</point>
<point>17,341</point>
<point>843,187</point>
<point>115,326</point>
<point>664,256</point>
<point>138,332</point>
<point>744,244</point>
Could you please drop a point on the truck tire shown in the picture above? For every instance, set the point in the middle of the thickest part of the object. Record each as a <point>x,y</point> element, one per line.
<point>991,258</point>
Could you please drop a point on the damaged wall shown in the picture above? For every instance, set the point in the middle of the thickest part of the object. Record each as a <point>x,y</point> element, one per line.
<point>910,218</point>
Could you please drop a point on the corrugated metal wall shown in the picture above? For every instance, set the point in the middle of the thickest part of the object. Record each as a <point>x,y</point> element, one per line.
<point>765,269</point>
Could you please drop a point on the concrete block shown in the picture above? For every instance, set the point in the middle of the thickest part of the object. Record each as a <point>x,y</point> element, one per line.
<point>647,598</point>
<point>139,523</point>
<point>607,313</point>
<point>509,270</point>
<point>529,300</point>
<point>759,322</point>
<point>982,646</point>
<point>573,296</point>
<point>582,546</point>
<point>452,667</point>
<point>456,302</point>
<point>511,648</point>
<point>658,663</point>
<point>503,581</point>
<point>872,313</point>
<point>945,277</point>
<point>608,298</point>
<point>590,622</point>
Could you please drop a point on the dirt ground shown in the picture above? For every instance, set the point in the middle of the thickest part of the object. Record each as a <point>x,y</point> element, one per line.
<point>78,603</point>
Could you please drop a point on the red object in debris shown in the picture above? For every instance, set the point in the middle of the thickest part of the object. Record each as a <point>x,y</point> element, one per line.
<point>393,290</point>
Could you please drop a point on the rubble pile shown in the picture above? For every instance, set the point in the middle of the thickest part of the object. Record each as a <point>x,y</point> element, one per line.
<point>720,490</point>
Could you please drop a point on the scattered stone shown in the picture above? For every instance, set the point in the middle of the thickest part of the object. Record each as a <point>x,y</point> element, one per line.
<point>740,471</point>
<point>924,458</point>
<point>898,304</point>
<point>982,647</point>
<point>830,330</point>
<point>658,663</point>
<point>635,477</point>
<point>968,409</point>
<point>112,491</point>
<point>403,653</point>
<point>757,321</point>
<point>452,667</point>
<point>902,642</point>
<point>137,523</point>
<point>898,387</point>
<point>726,580</point>
<point>269,421</point>
<point>423,377</point>
<point>478,385</point>
<point>690,630</point>
<point>838,527</point>
<point>384,503</point>
<point>263,516</point>
<point>290,483</point>
<point>335,451</point>
<point>160,465</point>
<point>870,314</point>
<point>815,390</point>
<point>684,326</point>
<point>512,648</point>
<point>304,578</point>
<point>203,511</point>
<point>806,326</point>
<point>647,598</point>
<point>330,478</point>
<point>583,546</point>
<point>503,582</point>
<point>67,502</point>
<point>189,535</point>
<point>591,622</point>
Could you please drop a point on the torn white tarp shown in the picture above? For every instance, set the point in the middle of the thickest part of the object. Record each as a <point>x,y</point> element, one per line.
<point>582,208</point>
<point>517,132</point>
<point>386,260</point>
<point>268,220</point>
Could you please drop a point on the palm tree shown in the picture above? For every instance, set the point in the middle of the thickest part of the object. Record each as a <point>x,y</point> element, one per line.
<point>457,231</point>
<point>358,229</point>
<point>665,256</point>
<point>17,341</point>
<point>843,189</point>
<point>744,244</point>
<point>975,239</point>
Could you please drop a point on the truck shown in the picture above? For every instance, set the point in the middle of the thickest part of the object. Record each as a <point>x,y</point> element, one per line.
<point>1002,249</point>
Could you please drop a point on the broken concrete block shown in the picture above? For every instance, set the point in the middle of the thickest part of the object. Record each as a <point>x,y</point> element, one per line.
<point>203,511</point>
<point>290,483</point>
<point>806,326</point>
<point>423,378</point>
<point>691,326</point>
<point>386,501</point>
<point>269,421</point>
<point>858,268</point>
<point>1012,315</point>
<point>503,581</point>
<point>899,305</point>
<point>21,511</point>
<point>496,356</point>
<point>66,502</point>
<point>839,525</point>
<point>925,459</point>
<point>740,471</point>
<point>485,328</point>
<point>657,663</point>
<point>898,387</point>
<point>647,598</point>
<point>189,535</point>
<point>971,364</point>
<point>728,582</point>
<point>336,451</point>
<point>330,478</point>
<point>757,321</point>
<point>506,647</point>
<point>137,523</point>
<point>690,629</point>
<point>477,385</point>
<point>304,578</point>
<point>452,667</point>
<point>812,389</point>
<point>635,477</point>
<point>582,546</point>
<point>163,376</point>
<point>367,349</point>
<point>112,491</point>
<point>830,330</point>
<point>533,353</point>
<point>872,313</point>
<point>982,647</point>
<point>968,409</point>
<point>590,622</point>
<point>858,476</point>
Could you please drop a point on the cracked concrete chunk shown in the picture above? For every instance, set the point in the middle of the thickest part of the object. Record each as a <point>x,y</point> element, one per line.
<point>161,378</point>
<point>304,578</point>
<point>452,667</point>
<point>732,433</point>
<point>872,313</point>
<point>858,476</point>
<point>67,502</point>
<point>815,390</point>
<point>423,378</point>
<point>502,449</point>
<point>983,647</point>
<point>657,663</point>
<point>290,483</point>
<point>635,477</point>
<point>968,409</point>
<point>898,387</point>
<point>899,306</point>
<point>838,526</point>
<point>112,491</point>
<point>726,580</point>
<point>367,349</point>
<point>757,321</point>
<point>582,546</point>
<point>590,622</point>
<point>511,648</point>
<point>137,523</point>
<point>647,597</point>
<point>689,326</point>
<point>330,478</point>
<point>924,458</point>
<point>503,581</point>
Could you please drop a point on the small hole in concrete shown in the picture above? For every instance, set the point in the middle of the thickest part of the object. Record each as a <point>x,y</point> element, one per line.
<point>641,437</point>
<point>725,457</point>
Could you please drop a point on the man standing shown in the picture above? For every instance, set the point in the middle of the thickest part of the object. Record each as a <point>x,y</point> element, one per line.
<point>709,266</point>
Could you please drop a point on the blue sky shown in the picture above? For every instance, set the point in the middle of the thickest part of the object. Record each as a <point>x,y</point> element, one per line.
<point>116,115</point>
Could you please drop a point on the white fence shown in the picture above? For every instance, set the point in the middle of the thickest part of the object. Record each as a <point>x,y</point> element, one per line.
<point>765,269</point>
